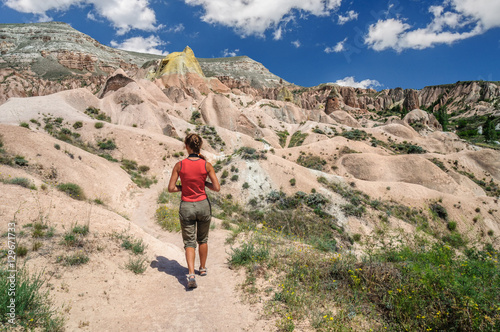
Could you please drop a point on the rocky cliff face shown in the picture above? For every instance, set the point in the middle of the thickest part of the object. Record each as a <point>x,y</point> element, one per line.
<point>43,58</point>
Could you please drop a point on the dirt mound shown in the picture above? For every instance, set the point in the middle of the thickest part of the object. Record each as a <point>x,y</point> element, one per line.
<point>409,169</point>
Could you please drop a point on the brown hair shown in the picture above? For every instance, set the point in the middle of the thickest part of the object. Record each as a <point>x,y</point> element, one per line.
<point>194,142</point>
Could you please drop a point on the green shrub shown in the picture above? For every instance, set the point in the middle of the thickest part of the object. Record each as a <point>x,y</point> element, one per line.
<point>356,237</point>
<point>452,225</point>
<point>72,190</point>
<point>245,185</point>
<point>99,125</point>
<point>195,116</point>
<point>33,308</point>
<point>107,145</point>
<point>24,125</point>
<point>78,124</point>
<point>143,168</point>
<point>234,177</point>
<point>293,182</point>
<point>57,146</point>
<point>20,161</point>
<point>439,210</point>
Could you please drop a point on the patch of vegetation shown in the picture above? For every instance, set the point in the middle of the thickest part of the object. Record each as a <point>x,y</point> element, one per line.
<point>108,144</point>
<point>297,139</point>
<point>283,136</point>
<point>411,286</point>
<point>72,190</point>
<point>269,105</point>
<point>406,148</point>
<point>136,246</point>
<point>78,125</point>
<point>311,161</point>
<point>23,182</point>
<point>99,125</point>
<point>165,197</point>
<point>248,253</point>
<point>131,167</point>
<point>168,219</point>
<point>356,135</point>
<point>195,116</point>
<point>33,308</point>
<point>108,157</point>
<point>250,153</point>
<point>97,114</point>
<point>358,202</point>
<point>77,258</point>
<point>439,164</point>
<point>209,134</point>
<point>491,188</point>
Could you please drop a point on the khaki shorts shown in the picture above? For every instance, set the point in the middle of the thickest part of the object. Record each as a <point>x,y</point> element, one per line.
<point>195,222</point>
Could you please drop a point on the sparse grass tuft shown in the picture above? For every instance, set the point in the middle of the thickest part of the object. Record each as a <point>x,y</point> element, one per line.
<point>137,264</point>
<point>72,190</point>
<point>77,258</point>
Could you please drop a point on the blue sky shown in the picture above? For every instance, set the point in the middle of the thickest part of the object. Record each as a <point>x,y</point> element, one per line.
<point>378,44</point>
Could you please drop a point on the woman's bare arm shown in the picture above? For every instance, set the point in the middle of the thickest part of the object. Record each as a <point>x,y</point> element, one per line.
<point>172,188</point>
<point>214,182</point>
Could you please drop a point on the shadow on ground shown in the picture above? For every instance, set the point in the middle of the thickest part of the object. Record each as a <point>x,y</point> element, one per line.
<point>171,267</point>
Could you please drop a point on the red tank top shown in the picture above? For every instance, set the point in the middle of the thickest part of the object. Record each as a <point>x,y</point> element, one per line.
<point>193,175</point>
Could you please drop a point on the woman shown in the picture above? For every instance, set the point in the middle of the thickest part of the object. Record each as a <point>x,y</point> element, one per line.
<point>195,210</point>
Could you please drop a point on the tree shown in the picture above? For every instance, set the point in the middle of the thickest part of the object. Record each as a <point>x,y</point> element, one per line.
<point>489,130</point>
<point>442,117</point>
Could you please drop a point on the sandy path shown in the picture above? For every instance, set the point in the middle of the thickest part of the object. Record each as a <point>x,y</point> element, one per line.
<point>214,306</point>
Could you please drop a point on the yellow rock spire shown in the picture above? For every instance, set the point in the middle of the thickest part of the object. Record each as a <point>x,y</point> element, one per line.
<point>178,63</point>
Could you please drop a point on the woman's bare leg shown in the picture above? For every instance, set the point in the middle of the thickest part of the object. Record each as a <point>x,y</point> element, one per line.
<point>203,250</point>
<point>190,255</point>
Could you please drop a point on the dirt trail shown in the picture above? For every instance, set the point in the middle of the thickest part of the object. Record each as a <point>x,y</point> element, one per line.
<point>214,306</point>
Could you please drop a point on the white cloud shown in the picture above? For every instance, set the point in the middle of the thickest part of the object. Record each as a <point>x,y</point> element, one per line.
<point>278,34</point>
<point>254,17</point>
<point>296,43</point>
<point>176,28</point>
<point>454,20</point>
<point>227,53</point>
<point>339,47</point>
<point>123,14</point>
<point>364,84</point>
<point>141,44</point>
<point>386,34</point>
<point>351,15</point>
